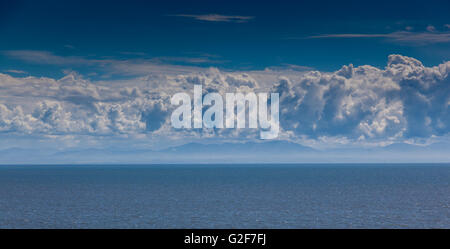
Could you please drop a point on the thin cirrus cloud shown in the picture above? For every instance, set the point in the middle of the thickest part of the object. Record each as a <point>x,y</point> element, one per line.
<point>407,37</point>
<point>49,58</point>
<point>15,71</point>
<point>45,57</point>
<point>217,18</point>
<point>130,66</point>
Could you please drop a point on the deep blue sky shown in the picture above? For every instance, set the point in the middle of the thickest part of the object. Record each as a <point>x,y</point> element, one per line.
<point>274,36</point>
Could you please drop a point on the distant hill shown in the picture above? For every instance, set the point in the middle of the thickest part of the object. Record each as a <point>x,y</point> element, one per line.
<point>271,147</point>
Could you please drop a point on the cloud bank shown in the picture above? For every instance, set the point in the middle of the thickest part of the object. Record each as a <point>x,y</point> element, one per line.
<point>217,17</point>
<point>403,102</point>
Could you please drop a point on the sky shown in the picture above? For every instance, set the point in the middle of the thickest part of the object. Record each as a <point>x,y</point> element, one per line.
<point>82,75</point>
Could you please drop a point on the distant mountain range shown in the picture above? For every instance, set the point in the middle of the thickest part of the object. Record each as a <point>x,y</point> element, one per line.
<point>258,152</point>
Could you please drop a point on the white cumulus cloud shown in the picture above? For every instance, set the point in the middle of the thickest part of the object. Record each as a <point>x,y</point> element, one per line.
<point>405,100</point>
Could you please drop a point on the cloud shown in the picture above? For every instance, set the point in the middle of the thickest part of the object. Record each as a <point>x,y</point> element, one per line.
<point>217,18</point>
<point>285,67</point>
<point>44,57</point>
<point>15,71</point>
<point>189,60</point>
<point>129,67</point>
<point>365,105</point>
<point>431,28</point>
<point>418,38</point>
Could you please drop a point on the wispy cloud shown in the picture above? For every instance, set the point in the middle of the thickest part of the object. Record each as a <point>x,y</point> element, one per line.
<point>419,38</point>
<point>133,53</point>
<point>346,36</point>
<point>431,28</point>
<point>68,46</point>
<point>217,18</point>
<point>135,66</point>
<point>15,71</point>
<point>189,60</point>
<point>49,58</point>
<point>291,67</point>
<point>45,57</point>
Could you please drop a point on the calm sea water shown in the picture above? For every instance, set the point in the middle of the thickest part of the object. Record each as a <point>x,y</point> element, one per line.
<point>225,196</point>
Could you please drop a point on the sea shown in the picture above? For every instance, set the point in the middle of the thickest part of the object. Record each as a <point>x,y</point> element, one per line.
<point>225,196</point>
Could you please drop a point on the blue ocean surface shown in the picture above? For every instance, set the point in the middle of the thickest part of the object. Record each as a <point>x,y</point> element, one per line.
<point>225,196</point>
